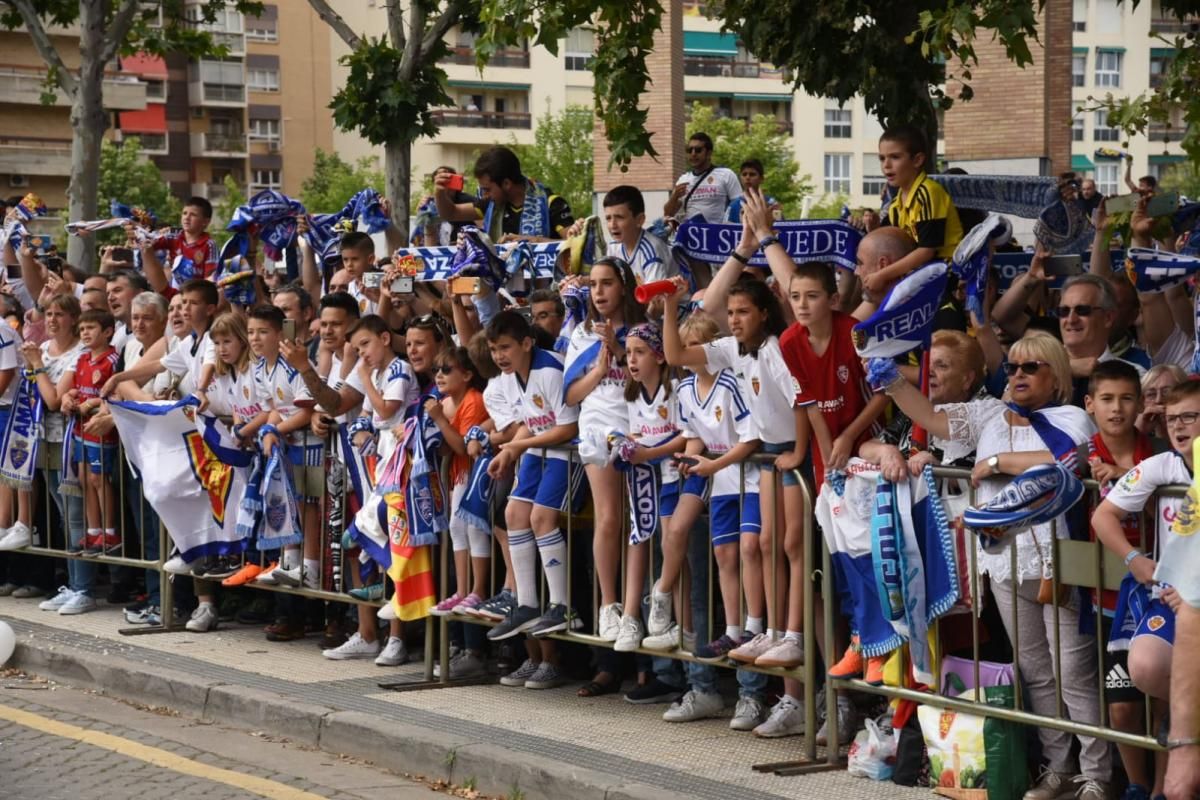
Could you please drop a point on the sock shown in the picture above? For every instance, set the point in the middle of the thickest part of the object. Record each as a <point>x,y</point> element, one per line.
<point>754,625</point>
<point>207,603</point>
<point>110,532</point>
<point>795,636</point>
<point>734,632</point>
<point>524,558</point>
<point>93,532</point>
<point>312,566</point>
<point>290,558</point>
<point>553,549</point>
<point>772,633</point>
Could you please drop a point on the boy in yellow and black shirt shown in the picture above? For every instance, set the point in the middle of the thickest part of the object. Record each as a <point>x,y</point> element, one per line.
<point>921,208</point>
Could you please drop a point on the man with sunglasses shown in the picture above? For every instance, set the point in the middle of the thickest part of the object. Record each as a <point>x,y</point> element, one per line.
<point>706,189</point>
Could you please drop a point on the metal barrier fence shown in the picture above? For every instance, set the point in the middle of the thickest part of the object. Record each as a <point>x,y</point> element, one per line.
<point>1076,563</point>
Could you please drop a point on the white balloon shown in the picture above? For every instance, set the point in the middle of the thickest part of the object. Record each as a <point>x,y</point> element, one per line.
<point>8,642</point>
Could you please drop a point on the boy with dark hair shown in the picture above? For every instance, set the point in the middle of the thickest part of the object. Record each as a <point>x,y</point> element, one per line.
<point>752,174</point>
<point>541,494</point>
<point>648,255</point>
<point>190,246</point>
<point>921,208</point>
<point>511,206</point>
<point>1114,399</point>
<point>358,258</point>
<point>1151,638</point>
<point>97,454</point>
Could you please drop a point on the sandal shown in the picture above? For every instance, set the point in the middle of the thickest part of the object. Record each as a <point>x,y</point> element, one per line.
<point>597,689</point>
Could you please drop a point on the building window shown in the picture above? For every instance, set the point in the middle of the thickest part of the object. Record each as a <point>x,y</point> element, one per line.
<point>837,173</point>
<point>262,80</point>
<point>1079,69</point>
<point>872,182</point>
<point>837,123</point>
<point>156,89</point>
<point>265,130</point>
<point>151,142</point>
<point>1159,64</point>
<point>1102,132</point>
<point>1077,129</point>
<point>580,49</point>
<point>261,31</point>
<point>265,179</point>
<point>1079,14</point>
<point>1108,68</point>
<point>1108,178</point>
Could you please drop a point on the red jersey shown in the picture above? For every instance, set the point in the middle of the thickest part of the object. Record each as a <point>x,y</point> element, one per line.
<point>1142,449</point>
<point>834,380</point>
<point>202,252</point>
<point>91,373</point>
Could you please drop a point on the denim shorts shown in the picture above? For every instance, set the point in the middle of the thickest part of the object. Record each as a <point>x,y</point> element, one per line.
<point>790,478</point>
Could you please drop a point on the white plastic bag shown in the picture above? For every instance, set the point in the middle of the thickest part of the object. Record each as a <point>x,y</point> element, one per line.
<point>873,753</point>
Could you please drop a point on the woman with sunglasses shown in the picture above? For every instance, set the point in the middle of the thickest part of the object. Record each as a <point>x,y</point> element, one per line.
<point>1006,444</point>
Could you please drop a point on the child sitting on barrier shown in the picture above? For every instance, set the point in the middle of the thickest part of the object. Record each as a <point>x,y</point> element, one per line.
<point>1150,636</point>
<point>460,409</point>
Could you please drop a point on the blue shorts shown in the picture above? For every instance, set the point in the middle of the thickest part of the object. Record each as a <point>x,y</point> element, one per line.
<point>790,478</point>
<point>101,458</point>
<point>696,485</point>
<point>668,499</point>
<point>543,481</point>
<point>1159,620</point>
<point>4,412</point>
<point>729,518</point>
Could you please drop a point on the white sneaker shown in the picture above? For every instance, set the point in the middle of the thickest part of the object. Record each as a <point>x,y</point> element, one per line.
<point>847,722</point>
<point>79,603</point>
<point>267,576</point>
<point>394,653</point>
<point>387,611</point>
<point>7,588</point>
<point>204,619</point>
<point>288,576</point>
<point>610,622</point>
<point>312,579</point>
<point>786,719</point>
<point>354,647</point>
<point>663,642</point>
<point>693,706</point>
<point>177,566</point>
<point>18,536</point>
<point>748,715</point>
<point>629,635</point>
<point>659,618</point>
<point>58,601</point>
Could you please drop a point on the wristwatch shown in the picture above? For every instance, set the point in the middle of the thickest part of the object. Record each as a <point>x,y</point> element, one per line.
<point>994,465</point>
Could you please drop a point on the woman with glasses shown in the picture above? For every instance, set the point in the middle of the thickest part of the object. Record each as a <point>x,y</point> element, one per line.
<point>1037,422</point>
<point>1156,385</point>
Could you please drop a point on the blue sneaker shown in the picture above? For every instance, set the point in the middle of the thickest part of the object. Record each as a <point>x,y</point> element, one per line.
<point>1135,791</point>
<point>718,649</point>
<point>519,619</point>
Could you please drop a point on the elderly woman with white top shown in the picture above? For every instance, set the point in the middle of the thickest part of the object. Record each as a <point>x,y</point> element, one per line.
<point>1036,421</point>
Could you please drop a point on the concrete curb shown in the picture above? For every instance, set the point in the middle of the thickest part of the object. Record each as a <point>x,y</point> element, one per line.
<point>395,746</point>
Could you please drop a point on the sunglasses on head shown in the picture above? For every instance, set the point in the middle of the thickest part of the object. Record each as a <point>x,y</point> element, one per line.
<point>1080,311</point>
<point>427,322</point>
<point>1027,367</point>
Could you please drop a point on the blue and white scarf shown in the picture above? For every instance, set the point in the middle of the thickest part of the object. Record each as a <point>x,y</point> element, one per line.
<point>273,214</point>
<point>1152,270</point>
<point>280,525</point>
<point>1063,227</point>
<point>425,496</point>
<point>536,261</point>
<point>806,240</point>
<point>585,357</point>
<point>475,507</point>
<point>14,231</point>
<point>575,298</point>
<point>904,320</point>
<point>68,478</point>
<point>476,258</point>
<point>362,482</point>
<point>973,254</point>
<point>535,213</point>
<point>144,221</point>
<point>1037,496</point>
<point>644,482</point>
<point>23,435</point>
<point>1018,195</point>
<point>1061,428</point>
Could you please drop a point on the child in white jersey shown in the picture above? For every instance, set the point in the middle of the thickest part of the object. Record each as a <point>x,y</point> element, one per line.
<point>595,381</point>
<point>654,426</point>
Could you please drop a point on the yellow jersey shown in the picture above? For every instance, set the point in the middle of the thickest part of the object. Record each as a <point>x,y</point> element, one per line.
<point>927,214</point>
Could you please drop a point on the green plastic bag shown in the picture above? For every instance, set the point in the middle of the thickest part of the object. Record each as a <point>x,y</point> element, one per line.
<point>1004,742</point>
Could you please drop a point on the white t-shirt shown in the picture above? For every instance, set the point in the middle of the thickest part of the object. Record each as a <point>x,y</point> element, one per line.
<point>121,337</point>
<point>56,366</point>
<point>10,358</point>
<point>365,304</point>
<point>1178,349</point>
<point>543,404</point>
<point>604,407</point>
<point>721,420</point>
<point>653,421</point>
<point>650,259</point>
<point>502,399</point>
<point>1137,487</point>
<point>186,360</point>
<point>278,386</point>
<point>716,190</point>
<point>396,382</point>
<point>766,383</point>
<point>335,381</point>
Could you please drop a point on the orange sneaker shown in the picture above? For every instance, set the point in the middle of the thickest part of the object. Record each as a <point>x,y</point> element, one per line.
<point>243,576</point>
<point>875,666</point>
<point>851,665</point>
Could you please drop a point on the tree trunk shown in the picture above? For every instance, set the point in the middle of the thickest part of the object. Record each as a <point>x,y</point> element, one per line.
<point>88,124</point>
<point>397,168</point>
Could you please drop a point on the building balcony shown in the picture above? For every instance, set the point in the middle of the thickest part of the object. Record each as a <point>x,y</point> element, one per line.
<point>465,54</point>
<point>461,118</point>
<point>210,191</point>
<point>1166,133</point>
<point>1172,25</point>
<point>224,95</point>
<point>24,86</point>
<point>219,145</point>
<point>32,155</point>
<point>709,67</point>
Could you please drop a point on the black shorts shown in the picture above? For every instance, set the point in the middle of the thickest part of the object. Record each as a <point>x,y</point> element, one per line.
<point>1118,686</point>
<point>500,492</point>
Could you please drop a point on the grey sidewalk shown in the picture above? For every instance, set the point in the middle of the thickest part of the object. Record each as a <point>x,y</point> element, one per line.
<point>548,744</point>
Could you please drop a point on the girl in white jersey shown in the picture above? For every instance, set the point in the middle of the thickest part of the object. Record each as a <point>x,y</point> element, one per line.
<point>653,424</point>
<point>595,380</point>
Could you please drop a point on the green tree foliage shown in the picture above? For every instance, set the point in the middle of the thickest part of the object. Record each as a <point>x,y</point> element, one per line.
<point>129,177</point>
<point>334,181</point>
<point>224,209</point>
<point>952,29</point>
<point>829,207</point>
<point>734,141</point>
<point>561,155</point>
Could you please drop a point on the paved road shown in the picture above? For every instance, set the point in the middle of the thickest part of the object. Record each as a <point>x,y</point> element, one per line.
<point>58,743</point>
